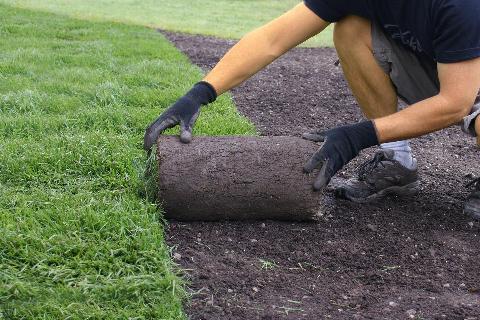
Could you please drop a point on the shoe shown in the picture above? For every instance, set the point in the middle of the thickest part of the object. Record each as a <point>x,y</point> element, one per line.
<point>472,206</point>
<point>379,177</point>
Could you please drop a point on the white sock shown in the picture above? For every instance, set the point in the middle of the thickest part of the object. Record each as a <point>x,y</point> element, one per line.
<point>403,153</point>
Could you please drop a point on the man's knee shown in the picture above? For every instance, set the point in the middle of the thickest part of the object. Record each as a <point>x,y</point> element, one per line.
<point>352,30</point>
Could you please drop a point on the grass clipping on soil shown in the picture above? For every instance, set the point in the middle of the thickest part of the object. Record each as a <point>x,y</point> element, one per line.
<point>78,240</point>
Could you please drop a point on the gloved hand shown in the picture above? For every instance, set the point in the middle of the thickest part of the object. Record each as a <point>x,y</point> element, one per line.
<point>340,145</point>
<point>184,112</point>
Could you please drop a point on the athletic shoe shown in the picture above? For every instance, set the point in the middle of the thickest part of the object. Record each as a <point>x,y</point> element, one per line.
<point>472,206</point>
<point>381,176</point>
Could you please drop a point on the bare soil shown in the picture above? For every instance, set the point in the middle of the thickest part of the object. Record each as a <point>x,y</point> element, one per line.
<point>395,259</point>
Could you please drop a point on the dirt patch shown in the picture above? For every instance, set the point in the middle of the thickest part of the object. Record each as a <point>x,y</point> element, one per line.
<point>396,259</point>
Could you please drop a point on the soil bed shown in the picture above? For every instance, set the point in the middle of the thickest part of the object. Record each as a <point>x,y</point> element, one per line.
<point>393,259</point>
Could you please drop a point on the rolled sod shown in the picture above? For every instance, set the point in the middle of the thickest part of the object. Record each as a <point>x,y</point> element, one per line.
<point>236,178</point>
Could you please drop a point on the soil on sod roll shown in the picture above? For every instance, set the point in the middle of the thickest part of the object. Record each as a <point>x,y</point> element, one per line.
<point>394,259</point>
<point>237,178</point>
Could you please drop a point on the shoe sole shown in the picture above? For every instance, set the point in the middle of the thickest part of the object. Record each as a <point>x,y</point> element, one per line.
<point>401,191</point>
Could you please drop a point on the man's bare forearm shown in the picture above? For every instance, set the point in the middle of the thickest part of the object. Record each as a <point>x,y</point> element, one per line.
<point>459,85</point>
<point>427,116</point>
<point>246,58</point>
<point>262,46</point>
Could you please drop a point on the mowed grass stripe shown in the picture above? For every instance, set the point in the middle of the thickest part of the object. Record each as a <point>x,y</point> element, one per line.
<point>220,18</point>
<point>78,239</point>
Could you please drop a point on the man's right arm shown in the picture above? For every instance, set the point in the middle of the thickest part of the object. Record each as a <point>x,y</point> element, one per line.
<point>262,46</point>
<point>251,54</point>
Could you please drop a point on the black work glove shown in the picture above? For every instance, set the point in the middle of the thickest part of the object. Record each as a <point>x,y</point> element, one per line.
<point>340,145</point>
<point>184,112</point>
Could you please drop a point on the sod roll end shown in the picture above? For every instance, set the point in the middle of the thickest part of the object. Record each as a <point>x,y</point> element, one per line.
<point>236,178</point>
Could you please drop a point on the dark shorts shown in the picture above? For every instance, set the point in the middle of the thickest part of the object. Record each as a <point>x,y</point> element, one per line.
<point>414,80</point>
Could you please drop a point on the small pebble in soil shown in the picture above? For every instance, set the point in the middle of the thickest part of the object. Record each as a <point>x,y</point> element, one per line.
<point>229,290</point>
<point>411,313</point>
<point>446,285</point>
<point>393,304</point>
<point>255,289</point>
<point>253,240</point>
<point>177,256</point>
<point>263,225</point>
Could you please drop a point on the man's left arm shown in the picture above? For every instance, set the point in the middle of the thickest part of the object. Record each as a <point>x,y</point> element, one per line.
<point>459,86</point>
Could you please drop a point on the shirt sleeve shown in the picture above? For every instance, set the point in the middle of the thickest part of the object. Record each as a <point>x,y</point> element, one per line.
<point>328,10</point>
<point>457,32</point>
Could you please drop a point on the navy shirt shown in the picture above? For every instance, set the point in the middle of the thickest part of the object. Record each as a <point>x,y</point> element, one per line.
<point>443,30</point>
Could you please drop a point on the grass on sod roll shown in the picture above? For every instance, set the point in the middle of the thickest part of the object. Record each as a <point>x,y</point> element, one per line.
<point>221,18</point>
<point>78,240</point>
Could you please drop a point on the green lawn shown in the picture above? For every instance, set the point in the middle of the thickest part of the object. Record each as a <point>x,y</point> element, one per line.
<point>78,239</point>
<point>221,18</point>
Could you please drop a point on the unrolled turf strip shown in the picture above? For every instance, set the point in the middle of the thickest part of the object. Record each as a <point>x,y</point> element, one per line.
<point>236,178</point>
